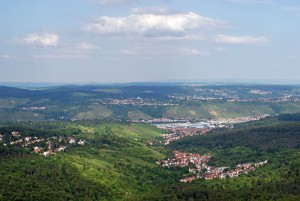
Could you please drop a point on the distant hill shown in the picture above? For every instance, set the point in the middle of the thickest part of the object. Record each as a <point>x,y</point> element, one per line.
<point>14,92</point>
<point>146,101</point>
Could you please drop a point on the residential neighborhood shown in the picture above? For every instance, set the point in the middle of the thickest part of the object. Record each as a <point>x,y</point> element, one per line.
<point>199,168</point>
<point>45,146</point>
<point>178,133</point>
<point>136,102</point>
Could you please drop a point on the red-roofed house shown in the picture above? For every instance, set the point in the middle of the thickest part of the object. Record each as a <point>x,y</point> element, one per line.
<point>61,148</point>
<point>16,134</point>
<point>37,149</point>
<point>48,152</point>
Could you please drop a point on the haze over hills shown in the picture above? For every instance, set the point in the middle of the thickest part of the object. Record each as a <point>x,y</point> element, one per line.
<point>147,101</point>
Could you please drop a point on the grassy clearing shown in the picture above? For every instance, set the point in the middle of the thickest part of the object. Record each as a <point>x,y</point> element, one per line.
<point>95,112</point>
<point>143,131</point>
<point>138,115</point>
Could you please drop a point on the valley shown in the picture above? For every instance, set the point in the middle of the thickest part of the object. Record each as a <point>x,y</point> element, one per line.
<point>80,150</point>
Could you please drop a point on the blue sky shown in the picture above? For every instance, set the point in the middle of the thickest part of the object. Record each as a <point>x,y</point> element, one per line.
<point>84,41</point>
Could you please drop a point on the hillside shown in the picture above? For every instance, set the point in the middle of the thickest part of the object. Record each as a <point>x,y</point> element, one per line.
<point>146,102</point>
<point>116,162</point>
<point>274,139</point>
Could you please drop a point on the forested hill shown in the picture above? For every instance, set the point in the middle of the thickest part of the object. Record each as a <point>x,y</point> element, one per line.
<point>278,136</point>
<point>114,163</point>
<point>275,139</point>
<point>117,162</point>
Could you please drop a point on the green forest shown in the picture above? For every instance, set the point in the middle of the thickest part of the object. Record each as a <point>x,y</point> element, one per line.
<point>118,163</point>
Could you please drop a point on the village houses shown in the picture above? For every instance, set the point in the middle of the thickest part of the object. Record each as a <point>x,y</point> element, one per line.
<point>16,139</point>
<point>203,170</point>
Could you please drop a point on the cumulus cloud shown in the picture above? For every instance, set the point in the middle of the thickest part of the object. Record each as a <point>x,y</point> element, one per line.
<point>241,39</point>
<point>114,2</point>
<point>82,50</point>
<point>153,24</point>
<point>45,39</point>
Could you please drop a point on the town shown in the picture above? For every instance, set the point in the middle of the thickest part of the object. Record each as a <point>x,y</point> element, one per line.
<point>136,102</point>
<point>178,133</point>
<point>201,169</point>
<point>44,146</point>
<point>222,96</point>
<point>177,129</point>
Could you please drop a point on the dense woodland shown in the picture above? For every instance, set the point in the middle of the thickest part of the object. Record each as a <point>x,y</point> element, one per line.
<point>117,164</point>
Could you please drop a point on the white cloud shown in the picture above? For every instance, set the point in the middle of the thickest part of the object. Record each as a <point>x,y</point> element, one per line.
<point>221,49</point>
<point>8,56</point>
<point>241,39</point>
<point>60,56</point>
<point>81,50</point>
<point>45,39</point>
<point>114,2</point>
<point>151,10</point>
<point>156,51</point>
<point>190,51</point>
<point>153,24</point>
<point>183,37</point>
<point>86,46</point>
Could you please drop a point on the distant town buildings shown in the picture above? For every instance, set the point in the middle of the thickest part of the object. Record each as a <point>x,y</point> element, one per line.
<point>178,133</point>
<point>137,102</point>
<point>33,108</point>
<point>177,129</point>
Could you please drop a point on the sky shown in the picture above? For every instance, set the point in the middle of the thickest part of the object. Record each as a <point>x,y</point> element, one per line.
<point>112,41</point>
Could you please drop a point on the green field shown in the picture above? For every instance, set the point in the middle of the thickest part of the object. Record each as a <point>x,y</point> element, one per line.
<point>143,131</point>
<point>138,115</point>
<point>95,112</point>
